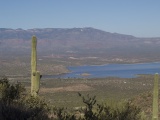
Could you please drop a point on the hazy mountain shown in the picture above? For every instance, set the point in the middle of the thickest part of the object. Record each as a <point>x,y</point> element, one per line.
<point>77,41</point>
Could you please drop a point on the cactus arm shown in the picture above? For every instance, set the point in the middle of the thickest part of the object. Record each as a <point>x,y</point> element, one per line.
<point>155,97</point>
<point>37,82</point>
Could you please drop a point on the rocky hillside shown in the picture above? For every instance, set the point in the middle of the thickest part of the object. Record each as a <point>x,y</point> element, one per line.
<point>77,42</point>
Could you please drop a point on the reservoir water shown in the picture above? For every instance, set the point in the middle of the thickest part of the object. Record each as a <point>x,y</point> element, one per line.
<point>111,70</point>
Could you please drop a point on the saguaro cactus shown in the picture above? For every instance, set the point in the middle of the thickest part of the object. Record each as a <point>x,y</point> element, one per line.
<point>155,97</point>
<point>35,75</point>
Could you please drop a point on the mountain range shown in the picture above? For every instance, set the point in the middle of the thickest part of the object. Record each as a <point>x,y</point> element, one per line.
<point>78,42</point>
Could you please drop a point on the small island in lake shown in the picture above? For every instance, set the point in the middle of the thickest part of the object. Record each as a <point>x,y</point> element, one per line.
<point>85,74</point>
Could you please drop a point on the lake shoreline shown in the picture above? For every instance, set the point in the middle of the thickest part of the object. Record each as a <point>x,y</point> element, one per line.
<point>110,70</point>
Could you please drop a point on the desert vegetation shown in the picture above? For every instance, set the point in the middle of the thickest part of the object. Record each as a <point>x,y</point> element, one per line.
<point>68,99</point>
<point>17,103</point>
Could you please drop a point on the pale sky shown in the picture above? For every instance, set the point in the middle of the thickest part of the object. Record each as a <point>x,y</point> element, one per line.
<point>140,18</point>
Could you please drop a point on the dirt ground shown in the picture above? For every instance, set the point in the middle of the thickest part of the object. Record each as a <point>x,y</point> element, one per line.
<point>75,88</point>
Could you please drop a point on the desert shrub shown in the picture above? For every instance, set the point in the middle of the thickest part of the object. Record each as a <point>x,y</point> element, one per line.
<point>115,111</point>
<point>8,92</point>
<point>125,110</point>
<point>63,114</point>
<point>16,106</point>
<point>89,102</point>
<point>24,110</point>
<point>37,107</point>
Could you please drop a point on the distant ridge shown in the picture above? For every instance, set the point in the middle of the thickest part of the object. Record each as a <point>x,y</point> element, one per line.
<point>48,33</point>
<point>79,41</point>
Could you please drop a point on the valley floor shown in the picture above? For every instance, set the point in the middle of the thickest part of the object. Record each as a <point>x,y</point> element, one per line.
<point>64,92</point>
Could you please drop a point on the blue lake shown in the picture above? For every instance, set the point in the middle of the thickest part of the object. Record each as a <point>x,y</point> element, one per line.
<point>111,70</point>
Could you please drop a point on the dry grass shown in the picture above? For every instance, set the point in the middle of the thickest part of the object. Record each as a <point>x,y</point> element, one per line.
<point>71,88</point>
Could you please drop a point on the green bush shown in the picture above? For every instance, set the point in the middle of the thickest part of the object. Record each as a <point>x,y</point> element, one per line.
<point>8,92</point>
<point>63,114</point>
<point>16,106</point>
<point>110,111</point>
